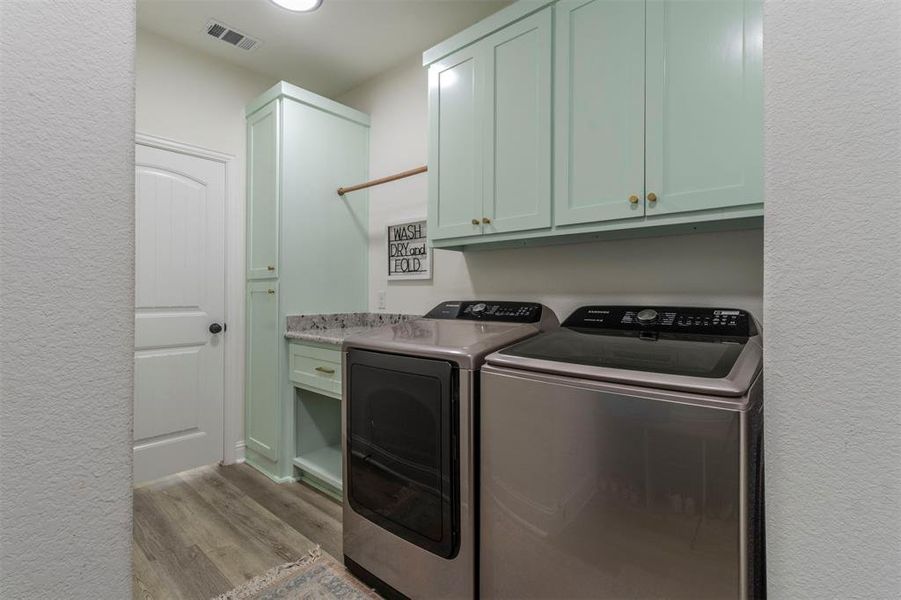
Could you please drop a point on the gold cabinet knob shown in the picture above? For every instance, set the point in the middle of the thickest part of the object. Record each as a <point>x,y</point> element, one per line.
<point>270,267</point>
<point>270,291</point>
<point>486,220</point>
<point>633,199</point>
<point>652,197</point>
<point>475,221</point>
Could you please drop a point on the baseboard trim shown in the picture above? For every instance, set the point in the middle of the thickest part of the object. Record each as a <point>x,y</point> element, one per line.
<point>236,456</point>
<point>275,478</point>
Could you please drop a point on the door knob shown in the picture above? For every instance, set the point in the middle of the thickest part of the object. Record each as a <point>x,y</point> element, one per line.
<point>216,328</point>
<point>652,197</point>
<point>633,199</point>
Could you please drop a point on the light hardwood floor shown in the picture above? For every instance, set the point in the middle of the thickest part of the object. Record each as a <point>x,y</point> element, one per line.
<point>200,533</point>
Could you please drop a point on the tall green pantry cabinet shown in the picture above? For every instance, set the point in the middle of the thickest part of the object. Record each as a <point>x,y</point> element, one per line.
<point>306,248</point>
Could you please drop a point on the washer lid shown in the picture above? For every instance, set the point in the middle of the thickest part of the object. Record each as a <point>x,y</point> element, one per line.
<point>623,350</point>
<point>461,341</point>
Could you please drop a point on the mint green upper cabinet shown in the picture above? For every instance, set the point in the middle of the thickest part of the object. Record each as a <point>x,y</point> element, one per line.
<point>654,108</point>
<point>599,127</point>
<point>517,176</point>
<point>262,192</point>
<point>264,339</point>
<point>704,105</point>
<point>455,150</point>
<point>490,133</point>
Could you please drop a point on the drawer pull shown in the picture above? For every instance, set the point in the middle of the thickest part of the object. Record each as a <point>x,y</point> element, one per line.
<point>325,370</point>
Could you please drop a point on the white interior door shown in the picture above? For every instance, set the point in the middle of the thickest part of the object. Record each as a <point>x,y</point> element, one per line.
<point>179,294</point>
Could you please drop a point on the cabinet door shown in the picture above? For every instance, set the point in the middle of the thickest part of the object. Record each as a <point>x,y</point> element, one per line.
<point>263,339</point>
<point>456,86</point>
<point>517,178</point>
<point>262,192</point>
<point>599,110</point>
<point>704,105</point>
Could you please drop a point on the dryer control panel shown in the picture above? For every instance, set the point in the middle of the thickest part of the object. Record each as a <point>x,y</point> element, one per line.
<point>479,310</point>
<point>690,320</point>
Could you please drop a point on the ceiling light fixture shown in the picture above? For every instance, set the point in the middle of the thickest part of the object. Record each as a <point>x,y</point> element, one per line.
<point>299,5</point>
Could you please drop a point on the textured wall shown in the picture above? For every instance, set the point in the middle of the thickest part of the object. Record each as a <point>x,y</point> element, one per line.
<point>831,291</point>
<point>675,269</point>
<point>66,298</point>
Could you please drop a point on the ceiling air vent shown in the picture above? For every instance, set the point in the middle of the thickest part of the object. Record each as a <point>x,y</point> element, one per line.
<point>221,31</point>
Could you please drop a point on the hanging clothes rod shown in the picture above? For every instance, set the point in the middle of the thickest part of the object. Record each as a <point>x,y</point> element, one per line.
<point>380,181</point>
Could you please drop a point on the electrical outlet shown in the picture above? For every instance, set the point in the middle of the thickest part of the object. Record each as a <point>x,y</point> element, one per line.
<point>381,299</point>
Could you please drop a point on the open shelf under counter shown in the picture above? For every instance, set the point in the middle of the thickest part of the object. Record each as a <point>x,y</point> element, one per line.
<point>323,463</point>
<point>317,452</point>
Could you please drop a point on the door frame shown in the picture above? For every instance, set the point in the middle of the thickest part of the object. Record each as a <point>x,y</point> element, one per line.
<point>233,338</point>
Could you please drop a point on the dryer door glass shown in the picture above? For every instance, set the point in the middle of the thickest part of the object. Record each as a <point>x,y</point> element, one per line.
<point>402,431</point>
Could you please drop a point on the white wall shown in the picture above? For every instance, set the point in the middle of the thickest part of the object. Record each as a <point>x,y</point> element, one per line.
<point>832,286</point>
<point>675,269</point>
<point>66,298</point>
<point>193,98</point>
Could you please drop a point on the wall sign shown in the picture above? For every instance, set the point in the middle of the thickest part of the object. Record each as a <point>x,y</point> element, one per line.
<point>409,255</point>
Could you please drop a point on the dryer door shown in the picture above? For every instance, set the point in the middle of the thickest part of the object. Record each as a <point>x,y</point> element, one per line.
<point>402,442</point>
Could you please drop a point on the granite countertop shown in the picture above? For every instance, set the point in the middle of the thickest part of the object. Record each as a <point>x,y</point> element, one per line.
<point>334,328</point>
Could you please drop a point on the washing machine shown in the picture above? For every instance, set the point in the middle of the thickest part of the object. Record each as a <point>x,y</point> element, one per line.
<point>410,391</point>
<point>621,457</point>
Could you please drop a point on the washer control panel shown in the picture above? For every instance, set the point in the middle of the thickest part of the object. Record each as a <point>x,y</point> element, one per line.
<point>691,320</point>
<point>480,310</point>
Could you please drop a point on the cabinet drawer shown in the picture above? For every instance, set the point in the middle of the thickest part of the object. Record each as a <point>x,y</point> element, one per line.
<point>314,368</point>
